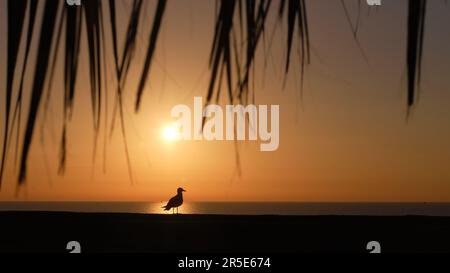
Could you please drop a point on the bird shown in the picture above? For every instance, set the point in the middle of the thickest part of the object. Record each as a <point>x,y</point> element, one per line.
<point>175,201</point>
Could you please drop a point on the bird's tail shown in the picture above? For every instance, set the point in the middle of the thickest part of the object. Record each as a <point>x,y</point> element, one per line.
<point>165,207</point>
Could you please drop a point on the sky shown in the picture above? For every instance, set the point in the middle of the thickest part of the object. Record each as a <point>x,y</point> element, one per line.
<point>344,138</point>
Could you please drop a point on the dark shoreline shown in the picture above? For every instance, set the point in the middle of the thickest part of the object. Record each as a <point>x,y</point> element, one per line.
<point>123,232</point>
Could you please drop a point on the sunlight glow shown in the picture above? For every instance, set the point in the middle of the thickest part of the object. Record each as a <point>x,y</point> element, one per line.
<point>171,133</point>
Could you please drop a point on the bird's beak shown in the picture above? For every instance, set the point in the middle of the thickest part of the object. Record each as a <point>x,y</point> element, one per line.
<point>183,190</point>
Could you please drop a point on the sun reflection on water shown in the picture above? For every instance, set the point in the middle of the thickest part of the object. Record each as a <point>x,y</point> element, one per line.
<point>156,208</point>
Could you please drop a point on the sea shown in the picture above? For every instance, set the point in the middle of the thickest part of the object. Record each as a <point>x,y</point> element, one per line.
<point>240,208</point>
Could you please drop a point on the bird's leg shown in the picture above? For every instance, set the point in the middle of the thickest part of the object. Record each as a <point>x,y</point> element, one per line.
<point>177,210</point>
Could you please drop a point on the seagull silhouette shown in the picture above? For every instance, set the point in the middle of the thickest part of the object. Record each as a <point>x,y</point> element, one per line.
<point>175,201</point>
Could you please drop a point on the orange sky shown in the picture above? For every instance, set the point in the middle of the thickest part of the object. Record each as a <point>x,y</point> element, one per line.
<point>345,140</point>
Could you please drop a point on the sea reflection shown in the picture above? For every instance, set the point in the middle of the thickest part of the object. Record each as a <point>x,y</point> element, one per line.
<point>238,208</point>
<point>156,208</point>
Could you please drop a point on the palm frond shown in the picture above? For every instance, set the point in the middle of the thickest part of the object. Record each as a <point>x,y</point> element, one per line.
<point>238,31</point>
<point>416,25</point>
<point>16,18</point>
<point>46,34</point>
<point>161,7</point>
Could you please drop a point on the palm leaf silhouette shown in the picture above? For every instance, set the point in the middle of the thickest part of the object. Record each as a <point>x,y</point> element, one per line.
<point>151,49</point>
<point>416,25</point>
<point>47,32</point>
<point>16,18</point>
<point>238,23</point>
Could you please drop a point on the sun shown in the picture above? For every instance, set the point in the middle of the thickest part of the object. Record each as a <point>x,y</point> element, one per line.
<point>170,133</point>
